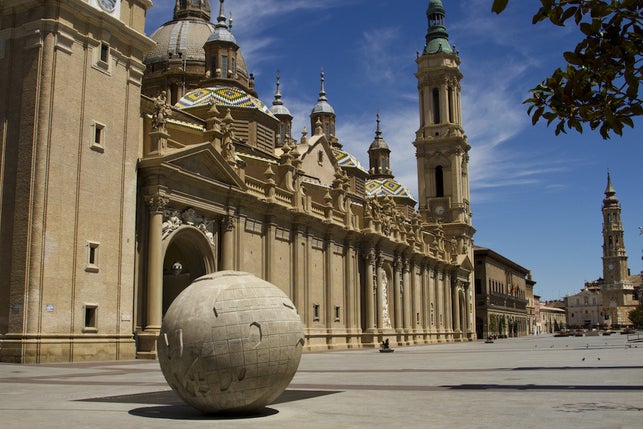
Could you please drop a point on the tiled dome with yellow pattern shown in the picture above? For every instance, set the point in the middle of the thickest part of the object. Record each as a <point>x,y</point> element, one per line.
<point>345,159</point>
<point>226,96</point>
<point>386,187</point>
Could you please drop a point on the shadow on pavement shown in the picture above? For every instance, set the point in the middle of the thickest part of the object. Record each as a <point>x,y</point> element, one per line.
<point>170,406</point>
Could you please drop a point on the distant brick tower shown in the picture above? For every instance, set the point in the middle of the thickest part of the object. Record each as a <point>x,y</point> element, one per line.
<point>617,290</point>
<point>441,145</point>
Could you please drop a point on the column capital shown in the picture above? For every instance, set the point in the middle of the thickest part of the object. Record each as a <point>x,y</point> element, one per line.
<point>157,202</point>
<point>229,223</point>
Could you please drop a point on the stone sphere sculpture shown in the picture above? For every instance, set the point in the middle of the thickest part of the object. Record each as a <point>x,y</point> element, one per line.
<point>230,343</point>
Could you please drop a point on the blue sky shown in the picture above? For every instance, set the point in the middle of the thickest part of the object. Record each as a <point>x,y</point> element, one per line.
<point>536,197</point>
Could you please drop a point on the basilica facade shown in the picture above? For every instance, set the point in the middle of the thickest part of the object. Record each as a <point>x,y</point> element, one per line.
<point>111,209</point>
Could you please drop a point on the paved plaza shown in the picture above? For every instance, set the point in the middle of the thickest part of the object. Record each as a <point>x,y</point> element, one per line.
<point>531,382</point>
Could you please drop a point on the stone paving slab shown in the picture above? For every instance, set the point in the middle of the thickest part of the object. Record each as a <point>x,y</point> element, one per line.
<point>531,382</point>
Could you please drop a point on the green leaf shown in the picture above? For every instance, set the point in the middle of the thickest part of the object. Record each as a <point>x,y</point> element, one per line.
<point>499,5</point>
<point>573,58</point>
<point>569,13</point>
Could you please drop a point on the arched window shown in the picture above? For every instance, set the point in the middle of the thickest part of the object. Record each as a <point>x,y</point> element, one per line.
<point>439,181</point>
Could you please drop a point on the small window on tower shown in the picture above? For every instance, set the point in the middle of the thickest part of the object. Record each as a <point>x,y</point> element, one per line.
<point>98,137</point>
<point>90,324</point>
<point>104,52</point>
<point>102,57</point>
<point>92,257</point>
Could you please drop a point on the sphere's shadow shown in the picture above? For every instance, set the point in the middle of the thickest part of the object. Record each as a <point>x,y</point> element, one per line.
<point>186,412</point>
<point>173,408</point>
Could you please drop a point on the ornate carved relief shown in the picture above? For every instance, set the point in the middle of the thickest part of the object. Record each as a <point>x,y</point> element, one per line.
<point>386,322</point>
<point>156,202</point>
<point>173,219</point>
<point>162,111</point>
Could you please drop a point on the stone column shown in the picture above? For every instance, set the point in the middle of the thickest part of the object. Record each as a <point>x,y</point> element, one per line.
<point>417,285</point>
<point>349,285</point>
<point>456,308</point>
<point>439,302</point>
<point>467,304</point>
<point>447,302</point>
<point>156,204</point>
<point>227,257</point>
<point>407,294</point>
<point>430,285</point>
<point>397,293</point>
<point>328,284</point>
<point>299,270</point>
<point>369,310</point>
<point>269,243</point>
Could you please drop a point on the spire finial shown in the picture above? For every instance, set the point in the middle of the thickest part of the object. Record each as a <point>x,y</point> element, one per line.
<point>378,132</point>
<point>609,190</point>
<point>322,91</point>
<point>221,19</point>
<point>278,100</point>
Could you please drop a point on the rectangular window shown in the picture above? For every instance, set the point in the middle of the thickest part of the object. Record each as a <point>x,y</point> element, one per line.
<point>234,65</point>
<point>224,66</point>
<point>91,324</point>
<point>92,257</point>
<point>337,313</point>
<point>436,106</point>
<point>104,52</point>
<point>316,312</point>
<point>98,137</point>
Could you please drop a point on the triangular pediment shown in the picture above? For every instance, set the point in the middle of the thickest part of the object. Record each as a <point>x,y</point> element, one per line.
<point>202,161</point>
<point>464,262</point>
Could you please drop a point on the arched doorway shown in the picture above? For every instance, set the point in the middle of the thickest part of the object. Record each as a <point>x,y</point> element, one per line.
<point>188,255</point>
<point>479,328</point>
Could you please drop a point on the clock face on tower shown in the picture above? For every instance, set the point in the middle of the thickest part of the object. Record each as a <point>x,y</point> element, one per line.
<point>108,5</point>
<point>610,267</point>
<point>111,7</point>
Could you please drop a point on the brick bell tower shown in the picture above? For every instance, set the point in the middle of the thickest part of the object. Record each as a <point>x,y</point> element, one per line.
<point>441,145</point>
<point>70,79</point>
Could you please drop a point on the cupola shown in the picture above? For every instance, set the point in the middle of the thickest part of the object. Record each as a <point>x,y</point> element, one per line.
<point>325,114</point>
<point>283,114</point>
<point>437,38</point>
<point>379,155</point>
<point>225,65</point>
